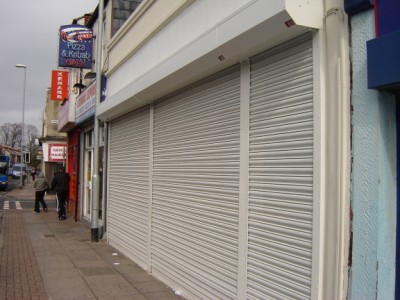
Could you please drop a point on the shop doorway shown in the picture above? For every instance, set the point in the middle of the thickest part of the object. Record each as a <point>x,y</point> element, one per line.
<point>87,174</point>
<point>88,182</point>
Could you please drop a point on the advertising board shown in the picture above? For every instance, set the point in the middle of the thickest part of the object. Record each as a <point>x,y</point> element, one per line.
<point>75,48</point>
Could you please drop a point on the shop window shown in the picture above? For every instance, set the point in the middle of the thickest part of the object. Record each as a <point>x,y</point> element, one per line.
<point>89,139</point>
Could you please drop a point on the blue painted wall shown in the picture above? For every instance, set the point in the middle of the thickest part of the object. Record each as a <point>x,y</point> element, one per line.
<point>373,195</point>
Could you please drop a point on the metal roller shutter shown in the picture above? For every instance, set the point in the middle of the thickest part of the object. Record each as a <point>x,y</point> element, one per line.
<point>281,173</point>
<point>195,187</point>
<point>128,199</point>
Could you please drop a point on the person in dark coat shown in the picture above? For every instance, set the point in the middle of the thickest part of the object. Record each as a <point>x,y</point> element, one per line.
<point>60,184</point>
<point>41,185</point>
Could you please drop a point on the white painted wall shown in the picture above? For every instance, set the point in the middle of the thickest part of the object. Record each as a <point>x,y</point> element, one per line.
<point>187,48</point>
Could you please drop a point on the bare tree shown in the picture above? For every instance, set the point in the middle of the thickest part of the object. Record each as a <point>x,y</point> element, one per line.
<point>11,134</point>
<point>5,134</point>
<point>31,135</point>
<point>16,135</point>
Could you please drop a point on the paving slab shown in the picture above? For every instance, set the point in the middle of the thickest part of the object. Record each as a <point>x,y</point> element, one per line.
<point>44,258</point>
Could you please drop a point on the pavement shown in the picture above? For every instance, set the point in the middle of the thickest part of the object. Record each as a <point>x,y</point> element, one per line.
<point>44,258</point>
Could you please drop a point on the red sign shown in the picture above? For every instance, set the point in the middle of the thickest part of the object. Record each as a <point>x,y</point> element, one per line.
<point>59,85</point>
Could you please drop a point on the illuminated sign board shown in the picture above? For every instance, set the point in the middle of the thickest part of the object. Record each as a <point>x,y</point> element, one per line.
<point>75,49</point>
<point>59,85</point>
<point>57,152</point>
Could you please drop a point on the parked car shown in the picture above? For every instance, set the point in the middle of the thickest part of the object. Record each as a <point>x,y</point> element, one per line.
<point>16,171</point>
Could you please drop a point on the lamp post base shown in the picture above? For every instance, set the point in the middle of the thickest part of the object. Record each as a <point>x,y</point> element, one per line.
<point>95,235</point>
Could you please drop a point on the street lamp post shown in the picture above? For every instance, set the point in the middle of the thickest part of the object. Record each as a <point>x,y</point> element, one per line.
<point>23,124</point>
<point>96,184</point>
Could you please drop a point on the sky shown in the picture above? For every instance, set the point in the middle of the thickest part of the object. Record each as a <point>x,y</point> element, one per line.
<point>29,32</point>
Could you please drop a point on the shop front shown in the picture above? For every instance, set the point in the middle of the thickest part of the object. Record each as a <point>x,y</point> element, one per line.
<point>85,109</point>
<point>216,154</point>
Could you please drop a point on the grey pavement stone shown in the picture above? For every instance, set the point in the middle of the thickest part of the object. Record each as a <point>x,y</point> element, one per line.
<point>59,273</point>
<point>110,285</point>
<point>123,297</point>
<point>139,277</point>
<point>68,288</point>
<point>126,268</point>
<point>96,271</point>
<point>163,296</point>
<point>151,287</point>
<point>71,266</point>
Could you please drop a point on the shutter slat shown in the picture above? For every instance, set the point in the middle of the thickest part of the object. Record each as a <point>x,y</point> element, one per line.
<point>281,169</point>
<point>195,187</point>
<point>129,171</point>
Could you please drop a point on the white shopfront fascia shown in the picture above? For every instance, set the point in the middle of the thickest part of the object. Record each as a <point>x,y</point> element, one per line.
<point>256,26</point>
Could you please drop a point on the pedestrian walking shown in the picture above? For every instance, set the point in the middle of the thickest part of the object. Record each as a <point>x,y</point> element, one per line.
<point>33,173</point>
<point>60,184</point>
<point>41,185</point>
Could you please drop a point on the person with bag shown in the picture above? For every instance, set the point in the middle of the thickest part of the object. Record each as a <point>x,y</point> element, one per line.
<point>60,184</point>
<point>41,185</point>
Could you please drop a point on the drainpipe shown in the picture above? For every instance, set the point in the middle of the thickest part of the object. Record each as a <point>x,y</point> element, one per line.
<point>95,192</point>
<point>104,182</point>
<point>335,152</point>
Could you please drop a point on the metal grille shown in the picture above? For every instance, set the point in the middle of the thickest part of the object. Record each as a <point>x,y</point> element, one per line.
<point>128,228</point>
<point>281,173</point>
<point>195,187</point>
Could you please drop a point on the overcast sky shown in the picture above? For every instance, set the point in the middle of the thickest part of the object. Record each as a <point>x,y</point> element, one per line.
<point>29,32</point>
